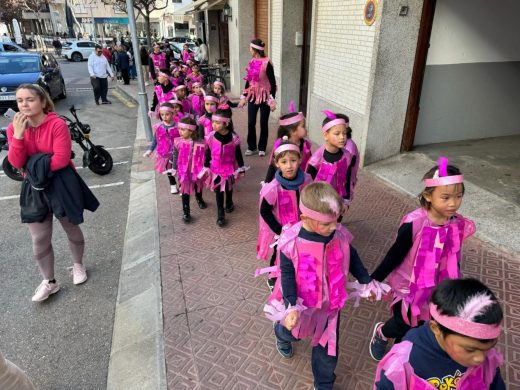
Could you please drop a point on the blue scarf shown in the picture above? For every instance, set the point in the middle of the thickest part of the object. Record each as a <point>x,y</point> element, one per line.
<point>293,184</point>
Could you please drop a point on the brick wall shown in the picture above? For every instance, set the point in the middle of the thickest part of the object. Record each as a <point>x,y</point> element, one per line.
<point>343,53</point>
<point>276,35</point>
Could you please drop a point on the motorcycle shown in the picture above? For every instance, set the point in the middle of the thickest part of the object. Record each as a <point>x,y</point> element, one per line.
<point>95,157</point>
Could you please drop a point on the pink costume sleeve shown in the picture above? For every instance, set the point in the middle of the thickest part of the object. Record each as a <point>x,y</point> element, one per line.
<point>396,366</point>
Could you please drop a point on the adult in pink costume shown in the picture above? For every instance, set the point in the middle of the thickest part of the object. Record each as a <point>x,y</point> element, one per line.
<point>158,62</point>
<point>259,94</point>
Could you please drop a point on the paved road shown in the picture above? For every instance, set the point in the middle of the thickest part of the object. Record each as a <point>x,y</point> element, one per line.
<point>64,343</point>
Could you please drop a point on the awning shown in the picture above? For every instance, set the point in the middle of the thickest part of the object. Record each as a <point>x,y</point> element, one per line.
<point>180,14</point>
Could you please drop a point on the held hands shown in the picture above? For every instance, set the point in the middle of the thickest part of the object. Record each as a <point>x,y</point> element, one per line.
<point>291,319</point>
<point>242,103</point>
<point>20,122</point>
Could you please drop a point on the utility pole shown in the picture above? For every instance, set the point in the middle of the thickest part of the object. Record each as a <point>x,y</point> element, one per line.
<point>143,97</point>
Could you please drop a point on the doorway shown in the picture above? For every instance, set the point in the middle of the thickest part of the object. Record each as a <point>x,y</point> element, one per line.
<point>306,50</point>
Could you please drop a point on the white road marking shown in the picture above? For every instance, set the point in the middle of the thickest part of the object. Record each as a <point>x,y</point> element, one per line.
<point>116,163</point>
<point>119,183</point>
<point>119,147</point>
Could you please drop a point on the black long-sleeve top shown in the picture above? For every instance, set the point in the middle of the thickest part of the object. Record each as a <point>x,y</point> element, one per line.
<point>269,72</point>
<point>224,139</point>
<point>396,254</point>
<point>356,268</point>
<point>267,214</point>
<point>165,88</point>
<point>331,158</point>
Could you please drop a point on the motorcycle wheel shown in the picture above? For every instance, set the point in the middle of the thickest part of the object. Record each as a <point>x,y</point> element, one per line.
<point>11,171</point>
<point>100,161</point>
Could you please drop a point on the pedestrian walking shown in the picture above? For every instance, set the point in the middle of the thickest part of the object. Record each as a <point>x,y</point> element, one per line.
<point>123,63</point>
<point>259,95</point>
<point>427,250</point>
<point>107,53</point>
<point>455,349</point>
<point>56,43</point>
<point>99,70</point>
<point>39,141</point>
<point>145,63</point>
<point>132,71</point>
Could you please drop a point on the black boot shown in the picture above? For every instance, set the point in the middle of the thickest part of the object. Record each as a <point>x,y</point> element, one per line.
<point>221,221</point>
<point>186,217</point>
<point>200,201</point>
<point>229,201</point>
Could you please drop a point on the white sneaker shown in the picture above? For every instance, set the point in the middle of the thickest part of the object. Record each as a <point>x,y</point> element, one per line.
<point>174,189</point>
<point>44,290</point>
<point>261,153</point>
<point>79,274</point>
<point>146,84</point>
<point>249,152</point>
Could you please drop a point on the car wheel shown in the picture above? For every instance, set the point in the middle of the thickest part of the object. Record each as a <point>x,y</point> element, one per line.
<point>76,57</point>
<point>63,94</point>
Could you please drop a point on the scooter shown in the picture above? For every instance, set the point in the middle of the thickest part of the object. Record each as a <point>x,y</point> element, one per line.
<point>95,157</point>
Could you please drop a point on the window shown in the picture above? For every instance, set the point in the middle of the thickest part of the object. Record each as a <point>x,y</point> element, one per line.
<point>8,47</point>
<point>83,44</point>
<point>92,44</point>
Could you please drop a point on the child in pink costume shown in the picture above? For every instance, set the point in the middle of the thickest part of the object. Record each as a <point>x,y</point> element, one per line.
<point>186,54</point>
<point>196,100</point>
<point>353,168</point>
<point>194,77</point>
<point>181,94</point>
<point>315,259</point>
<point>427,250</point>
<point>219,89</point>
<point>165,134</point>
<point>224,162</point>
<point>210,106</point>
<point>163,92</point>
<point>188,162</point>
<point>279,200</point>
<point>292,125</point>
<point>455,349</point>
<point>330,161</point>
<point>176,79</point>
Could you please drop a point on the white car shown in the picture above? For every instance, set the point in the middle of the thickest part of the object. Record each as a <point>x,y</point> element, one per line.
<point>78,50</point>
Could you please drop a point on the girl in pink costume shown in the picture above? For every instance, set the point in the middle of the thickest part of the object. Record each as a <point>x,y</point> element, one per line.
<point>224,162</point>
<point>186,54</point>
<point>176,77</point>
<point>188,162</point>
<point>182,95</point>
<point>194,77</point>
<point>353,168</point>
<point>177,115</point>
<point>158,61</point>
<point>165,133</point>
<point>163,92</point>
<point>292,125</point>
<point>210,106</point>
<point>330,162</point>
<point>315,259</point>
<point>196,100</point>
<point>219,89</point>
<point>455,349</point>
<point>427,250</point>
<point>279,200</point>
<point>259,94</point>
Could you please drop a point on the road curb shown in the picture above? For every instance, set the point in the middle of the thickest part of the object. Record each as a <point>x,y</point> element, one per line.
<point>137,360</point>
<point>129,97</point>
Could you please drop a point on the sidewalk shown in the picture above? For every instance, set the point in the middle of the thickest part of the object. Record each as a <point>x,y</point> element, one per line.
<point>216,336</point>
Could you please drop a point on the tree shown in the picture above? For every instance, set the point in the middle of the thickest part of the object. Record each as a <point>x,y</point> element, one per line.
<point>11,9</point>
<point>35,6</point>
<point>144,8</point>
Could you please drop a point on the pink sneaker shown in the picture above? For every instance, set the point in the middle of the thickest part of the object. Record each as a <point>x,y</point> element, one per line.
<point>44,290</point>
<point>79,274</point>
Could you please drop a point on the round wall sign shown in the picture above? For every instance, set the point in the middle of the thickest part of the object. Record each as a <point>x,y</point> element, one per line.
<point>370,12</point>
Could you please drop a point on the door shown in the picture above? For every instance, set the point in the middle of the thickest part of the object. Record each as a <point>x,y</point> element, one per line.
<point>421,53</point>
<point>262,22</point>
<point>50,74</point>
<point>306,49</point>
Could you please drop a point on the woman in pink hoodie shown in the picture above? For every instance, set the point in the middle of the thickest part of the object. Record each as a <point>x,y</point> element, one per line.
<point>36,128</point>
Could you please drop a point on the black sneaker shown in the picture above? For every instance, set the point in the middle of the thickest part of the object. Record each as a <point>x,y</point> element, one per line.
<point>230,208</point>
<point>377,346</point>
<point>270,283</point>
<point>284,348</point>
<point>186,217</point>
<point>97,102</point>
<point>201,203</point>
<point>106,102</point>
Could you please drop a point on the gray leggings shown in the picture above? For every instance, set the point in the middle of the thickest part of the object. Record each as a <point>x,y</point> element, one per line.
<point>41,233</point>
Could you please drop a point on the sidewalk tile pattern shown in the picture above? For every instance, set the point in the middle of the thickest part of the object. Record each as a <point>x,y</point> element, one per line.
<point>216,336</point>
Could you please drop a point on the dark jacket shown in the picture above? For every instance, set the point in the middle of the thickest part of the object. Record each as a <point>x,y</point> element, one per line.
<point>123,61</point>
<point>62,192</point>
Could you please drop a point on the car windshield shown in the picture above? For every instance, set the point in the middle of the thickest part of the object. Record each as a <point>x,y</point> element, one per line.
<point>19,64</point>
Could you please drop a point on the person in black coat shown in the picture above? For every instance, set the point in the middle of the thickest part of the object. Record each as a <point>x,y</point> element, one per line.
<point>123,62</point>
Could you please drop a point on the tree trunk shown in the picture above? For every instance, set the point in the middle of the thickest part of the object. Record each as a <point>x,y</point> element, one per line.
<point>147,28</point>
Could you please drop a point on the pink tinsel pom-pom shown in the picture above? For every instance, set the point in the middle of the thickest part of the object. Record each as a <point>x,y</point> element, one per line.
<point>443,166</point>
<point>329,114</point>
<point>291,106</point>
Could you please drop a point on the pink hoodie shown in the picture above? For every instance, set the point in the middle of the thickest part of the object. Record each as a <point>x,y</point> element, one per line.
<point>51,136</point>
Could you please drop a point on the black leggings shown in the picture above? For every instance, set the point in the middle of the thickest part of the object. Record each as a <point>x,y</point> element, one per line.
<point>395,327</point>
<point>171,178</point>
<point>252,111</point>
<point>186,199</point>
<point>220,198</point>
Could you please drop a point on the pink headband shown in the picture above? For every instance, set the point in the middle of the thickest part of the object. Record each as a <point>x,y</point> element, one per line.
<point>258,47</point>
<point>209,98</point>
<point>220,83</point>
<point>465,327</point>
<point>175,101</point>
<point>169,109</point>
<point>162,74</point>
<point>285,147</point>
<point>218,118</point>
<point>187,126</point>
<point>180,87</point>
<point>196,84</point>
<point>441,177</point>
<point>292,120</point>
<point>325,218</point>
<point>333,123</point>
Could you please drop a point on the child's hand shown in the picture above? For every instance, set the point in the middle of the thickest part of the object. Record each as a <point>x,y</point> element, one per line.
<point>291,319</point>
<point>372,297</point>
<point>148,153</point>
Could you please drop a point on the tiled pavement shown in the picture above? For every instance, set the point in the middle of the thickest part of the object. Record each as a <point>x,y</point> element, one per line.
<point>216,336</point>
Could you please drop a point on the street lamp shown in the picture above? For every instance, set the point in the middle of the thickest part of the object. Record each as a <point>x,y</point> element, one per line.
<point>228,12</point>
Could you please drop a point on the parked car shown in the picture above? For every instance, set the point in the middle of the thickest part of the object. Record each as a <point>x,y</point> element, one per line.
<point>180,40</point>
<point>10,46</point>
<point>27,67</point>
<point>180,46</point>
<point>77,51</point>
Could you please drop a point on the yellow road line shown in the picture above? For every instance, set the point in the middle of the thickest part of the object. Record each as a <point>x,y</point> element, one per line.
<point>127,102</point>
